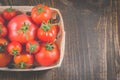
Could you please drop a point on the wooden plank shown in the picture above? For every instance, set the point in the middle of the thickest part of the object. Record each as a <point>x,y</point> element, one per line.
<point>118,42</point>
<point>86,28</point>
<point>96,51</point>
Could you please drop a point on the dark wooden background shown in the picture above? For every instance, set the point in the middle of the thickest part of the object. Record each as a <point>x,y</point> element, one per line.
<point>92,41</point>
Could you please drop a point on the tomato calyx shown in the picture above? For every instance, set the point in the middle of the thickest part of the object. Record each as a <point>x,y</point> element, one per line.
<point>0,28</point>
<point>9,9</point>
<point>45,27</point>
<point>22,65</point>
<point>24,29</point>
<point>40,9</point>
<point>15,52</point>
<point>49,46</point>
<point>32,47</point>
<point>1,48</point>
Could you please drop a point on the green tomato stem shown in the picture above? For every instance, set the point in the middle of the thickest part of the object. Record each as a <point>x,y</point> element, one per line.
<point>1,48</point>
<point>0,28</point>
<point>32,47</point>
<point>49,46</point>
<point>40,9</point>
<point>22,65</point>
<point>24,29</point>
<point>9,9</point>
<point>15,52</point>
<point>45,27</point>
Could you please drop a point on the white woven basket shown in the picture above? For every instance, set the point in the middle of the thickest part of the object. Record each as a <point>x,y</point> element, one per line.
<point>60,41</point>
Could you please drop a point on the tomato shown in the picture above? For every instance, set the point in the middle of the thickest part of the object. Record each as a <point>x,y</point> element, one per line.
<point>3,42</point>
<point>24,60</point>
<point>4,59</point>
<point>41,13</point>
<point>3,30</point>
<point>47,32</point>
<point>2,21</point>
<point>32,47</point>
<point>9,13</point>
<point>48,54</point>
<point>21,29</point>
<point>14,48</point>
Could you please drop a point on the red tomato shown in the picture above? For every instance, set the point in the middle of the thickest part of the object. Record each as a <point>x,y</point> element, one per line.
<point>2,21</point>
<point>41,13</point>
<point>14,48</point>
<point>3,42</point>
<point>47,32</point>
<point>3,30</point>
<point>24,60</point>
<point>21,29</point>
<point>9,13</point>
<point>32,47</point>
<point>48,54</point>
<point>4,59</point>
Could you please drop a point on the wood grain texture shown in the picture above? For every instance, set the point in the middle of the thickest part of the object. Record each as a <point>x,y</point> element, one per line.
<point>92,41</point>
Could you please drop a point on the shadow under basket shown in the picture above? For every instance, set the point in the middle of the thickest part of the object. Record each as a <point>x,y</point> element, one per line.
<point>57,19</point>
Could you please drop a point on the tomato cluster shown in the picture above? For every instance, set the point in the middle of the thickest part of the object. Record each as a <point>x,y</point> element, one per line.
<point>28,39</point>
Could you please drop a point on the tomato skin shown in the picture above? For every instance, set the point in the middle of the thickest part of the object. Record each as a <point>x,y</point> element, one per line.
<point>3,42</point>
<point>49,35</point>
<point>3,30</point>
<point>14,48</point>
<point>32,47</point>
<point>21,29</point>
<point>4,59</point>
<point>47,57</point>
<point>9,13</point>
<point>42,15</point>
<point>25,58</point>
<point>2,21</point>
